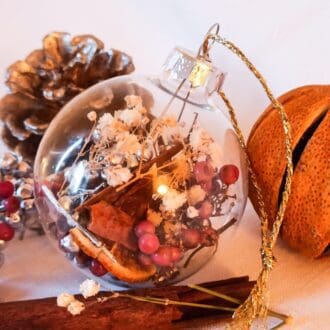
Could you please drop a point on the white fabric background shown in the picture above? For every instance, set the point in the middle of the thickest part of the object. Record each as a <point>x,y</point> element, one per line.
<point>287,40</point>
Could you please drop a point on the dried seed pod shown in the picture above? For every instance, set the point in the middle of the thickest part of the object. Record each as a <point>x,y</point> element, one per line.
<point>306,224</point>
<point>9,161</point>
<point>24,167</point>
<point>24,191</point>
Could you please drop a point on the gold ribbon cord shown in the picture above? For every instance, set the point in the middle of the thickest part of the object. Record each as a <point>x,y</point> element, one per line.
<point>256,304</point>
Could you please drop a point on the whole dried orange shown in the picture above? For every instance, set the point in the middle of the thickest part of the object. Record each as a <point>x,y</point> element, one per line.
<point>306,224</point>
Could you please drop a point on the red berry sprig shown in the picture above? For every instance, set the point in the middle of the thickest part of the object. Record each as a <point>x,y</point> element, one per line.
<point>6,189</point>
<point>7,232</point>
<point>11,204</point>
<point>97,268</point>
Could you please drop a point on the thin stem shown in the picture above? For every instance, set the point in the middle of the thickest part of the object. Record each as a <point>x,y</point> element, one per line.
<point>86,141</point>
<point>162,301</point>
<point>193,123</point>
<point>214,293</point>
<point>285,318</point>
<point>226,226</point>
<point>219,232</point>
<point>280,325</point>
<point>192,255</point>
<point>184,104</point>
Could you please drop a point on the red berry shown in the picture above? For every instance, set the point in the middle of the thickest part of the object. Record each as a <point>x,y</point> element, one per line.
<point>96,268</point>
<point>144,227</point>
<point>205,210</point>
<point>203,171</point>
<point>144,259</point>
<point>175,254</point>
<point>6,231</point>
<point>148,243</point>
<point>6,189</point>
<point>229,174</point>
<point>11,204</point>
<point>163,256</point>
<point>191,238</point>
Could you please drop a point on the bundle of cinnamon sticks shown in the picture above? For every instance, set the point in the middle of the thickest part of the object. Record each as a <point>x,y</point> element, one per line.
<point>126,313</point>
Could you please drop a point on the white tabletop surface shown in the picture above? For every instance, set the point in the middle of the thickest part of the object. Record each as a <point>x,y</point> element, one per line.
<point>287,40</point>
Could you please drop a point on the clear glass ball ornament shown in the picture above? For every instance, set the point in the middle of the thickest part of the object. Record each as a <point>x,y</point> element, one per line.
<point>137,177</point>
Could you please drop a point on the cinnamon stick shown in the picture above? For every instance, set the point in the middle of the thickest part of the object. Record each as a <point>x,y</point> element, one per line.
<point>122,312</point>
<point>110,194</point>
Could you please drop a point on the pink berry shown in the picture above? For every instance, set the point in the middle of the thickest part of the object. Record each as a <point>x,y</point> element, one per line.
<point>6,231</point>
<point>203,171</point>
<point>191,238</point>
<point>96,268</point>
<point>163,256</point>
<point>6,189</point>
<point>205,210</point>
<point>229,174</point>
<point>11,204</point>
<point>144,259</point>
<point>148,243</point>
<point>175,254</point>
<point>144,227</point>
<point>207,185</point>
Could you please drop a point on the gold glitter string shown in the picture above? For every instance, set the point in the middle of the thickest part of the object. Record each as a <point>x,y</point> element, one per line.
<point>256,304</point>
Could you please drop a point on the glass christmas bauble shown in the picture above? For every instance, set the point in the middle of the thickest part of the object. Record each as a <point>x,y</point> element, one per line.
<point>137,177</point>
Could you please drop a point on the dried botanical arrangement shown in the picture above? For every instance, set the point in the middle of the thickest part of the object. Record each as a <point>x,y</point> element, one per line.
<point>155,191</point>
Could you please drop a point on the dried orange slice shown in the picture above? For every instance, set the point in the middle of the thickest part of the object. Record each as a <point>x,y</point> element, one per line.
<point>117,260</point>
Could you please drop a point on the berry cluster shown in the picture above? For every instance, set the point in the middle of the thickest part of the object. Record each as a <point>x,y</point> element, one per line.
<point>10,204</point>
<point>150,249</point>
<point>155,250</point>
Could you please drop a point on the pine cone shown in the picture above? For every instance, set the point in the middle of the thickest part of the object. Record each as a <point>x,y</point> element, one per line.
<point>47,79</point>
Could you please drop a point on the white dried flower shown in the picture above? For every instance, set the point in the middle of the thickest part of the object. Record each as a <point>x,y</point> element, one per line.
<point>192,212</point>
<point>132,161</point>
<point>64,299</point>
<point>196,194</point>
<point>92,115</point>
<point>116,158</point>
<point>76,307</point>
<point>89,288</point>
<point>200,140</point>
<point>127,144</point>
<point>173,200</point>
<point>131,117</point>
<point>117,175</point>
<point>134,101</point>
<point>104,121</point>
<point>171,134</point>
<point>201,158</point>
